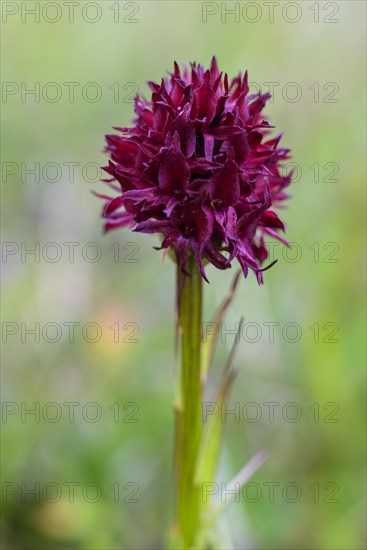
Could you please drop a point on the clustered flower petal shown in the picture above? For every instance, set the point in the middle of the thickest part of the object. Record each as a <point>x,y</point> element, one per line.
<point>199,168</point>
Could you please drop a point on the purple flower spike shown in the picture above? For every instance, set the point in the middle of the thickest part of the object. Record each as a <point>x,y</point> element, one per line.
<point>198,167</point>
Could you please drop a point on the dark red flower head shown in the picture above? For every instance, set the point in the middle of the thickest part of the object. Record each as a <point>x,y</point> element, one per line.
<point>198,167</point>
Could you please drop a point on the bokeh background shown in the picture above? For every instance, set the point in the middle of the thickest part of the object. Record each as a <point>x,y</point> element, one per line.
<point>117,446</point>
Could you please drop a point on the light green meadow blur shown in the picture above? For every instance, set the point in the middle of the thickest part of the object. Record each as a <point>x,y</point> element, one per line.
<point>88,320</point>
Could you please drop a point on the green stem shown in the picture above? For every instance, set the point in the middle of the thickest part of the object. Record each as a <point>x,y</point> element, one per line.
<point>188,408</point>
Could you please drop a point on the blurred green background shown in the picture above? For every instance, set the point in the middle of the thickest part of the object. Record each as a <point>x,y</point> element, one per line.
<point>117,445</point>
